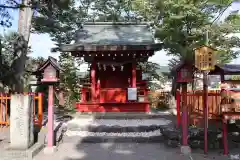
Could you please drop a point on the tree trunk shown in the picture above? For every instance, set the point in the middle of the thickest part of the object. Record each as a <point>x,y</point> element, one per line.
<point>24,26</point>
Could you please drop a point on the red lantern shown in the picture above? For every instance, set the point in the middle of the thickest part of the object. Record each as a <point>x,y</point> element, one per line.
<point>185,74</point>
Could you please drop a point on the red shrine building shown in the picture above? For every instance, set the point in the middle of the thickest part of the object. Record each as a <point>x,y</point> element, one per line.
<point>113,51</point>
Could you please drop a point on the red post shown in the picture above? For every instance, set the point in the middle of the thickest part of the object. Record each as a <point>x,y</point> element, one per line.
<point>98,89</point>
<point>178,103</point>
<point>83,97</point>
<point>205,105</point>
<point>50,117</point>
<point>134,81</point>
<point>93,81</point>
<point>224,138</point>
<point>184,115</point>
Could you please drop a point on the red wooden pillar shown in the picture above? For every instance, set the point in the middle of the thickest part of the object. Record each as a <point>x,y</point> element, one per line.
<point>224,138</point>
<point>178,103</point>
<point>93,81</point>
<point>83,97</point>
<point>146,94</point>
<point>134,78</point>
<point>98,90</point>
<point>205,105</point>
<point>184,115</point>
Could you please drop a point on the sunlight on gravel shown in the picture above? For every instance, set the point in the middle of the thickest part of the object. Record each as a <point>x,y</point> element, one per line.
<point>122,122</point>
<point>122,134</point>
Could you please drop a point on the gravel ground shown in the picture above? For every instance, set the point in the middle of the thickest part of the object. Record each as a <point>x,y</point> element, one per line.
<point>120,151</point>
<point>120,122</point>
<point>123,134</point>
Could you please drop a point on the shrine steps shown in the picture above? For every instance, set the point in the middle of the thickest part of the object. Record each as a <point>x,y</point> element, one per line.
<point>121,115</point>
<point>123,128</point>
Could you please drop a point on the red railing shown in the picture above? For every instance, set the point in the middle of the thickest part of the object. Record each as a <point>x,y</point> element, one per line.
<point>5,106</point>
<point>195,104</point>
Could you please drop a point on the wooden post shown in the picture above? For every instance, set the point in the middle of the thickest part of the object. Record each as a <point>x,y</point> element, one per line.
<point>98,90</point>
<point>134,79</point>
<point>184,115</point>
<point>178,103</point>
<point>205,105</point>
<point>224,138</point>
<point>50,117</point>
<point>93,81</point>
<point>40,109</point>
<point>83,96</point>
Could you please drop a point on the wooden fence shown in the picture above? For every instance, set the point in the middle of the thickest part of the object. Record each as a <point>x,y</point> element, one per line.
<point>5,109</point>
<point>195,106</point>
<point>195,103</point>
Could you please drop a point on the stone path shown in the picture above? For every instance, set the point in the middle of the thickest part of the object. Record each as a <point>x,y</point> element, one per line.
<point>120,151</point>
<point>4,136</point>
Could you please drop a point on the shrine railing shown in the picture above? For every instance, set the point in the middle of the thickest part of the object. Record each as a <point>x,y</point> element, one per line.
<point>195,103</point>
<point>5,101</point>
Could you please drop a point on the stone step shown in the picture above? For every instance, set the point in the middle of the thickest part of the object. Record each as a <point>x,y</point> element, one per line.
<point>113,125</point>
<point>100,137</point>
<point>116,129</point>
<point>122,115</point>
<point>105,139</point>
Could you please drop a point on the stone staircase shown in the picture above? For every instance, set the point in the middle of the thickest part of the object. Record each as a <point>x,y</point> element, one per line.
<point>116,127</point>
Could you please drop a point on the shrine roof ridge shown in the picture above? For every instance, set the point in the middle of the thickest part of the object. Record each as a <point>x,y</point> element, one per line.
<point>109,36</point>
<point>226,69</point>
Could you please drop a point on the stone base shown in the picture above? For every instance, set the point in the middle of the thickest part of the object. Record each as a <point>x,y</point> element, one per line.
<point>10,154</point>
<point>186,150</point>
<point>50,150</point>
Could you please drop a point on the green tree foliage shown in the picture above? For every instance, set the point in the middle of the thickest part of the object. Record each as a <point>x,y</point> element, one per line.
<point>7,58</point>
<point>69,79</point>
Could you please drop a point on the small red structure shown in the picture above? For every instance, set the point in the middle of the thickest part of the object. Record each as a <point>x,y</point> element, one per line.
<point>230,107</point>
<point>48,73</point>
<point>114,50</point>
<point>184,73</point>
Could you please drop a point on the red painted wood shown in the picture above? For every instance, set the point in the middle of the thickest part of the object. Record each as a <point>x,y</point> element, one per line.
<point>225,140</point>
<point>83,97</point>
<point>114,79</point>
<point>113,107</point>
<point>98,89</point>
<point>93,81</point>
<point>113,95</point>
<point>178,99</point>
<point>134,76</point>
<point>184,115</point>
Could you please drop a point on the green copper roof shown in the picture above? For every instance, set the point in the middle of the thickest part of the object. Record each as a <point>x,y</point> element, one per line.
<point>105,33</point>
<point>108,34</point>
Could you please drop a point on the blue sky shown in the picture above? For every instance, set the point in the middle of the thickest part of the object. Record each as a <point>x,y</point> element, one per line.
<point>41,43</point>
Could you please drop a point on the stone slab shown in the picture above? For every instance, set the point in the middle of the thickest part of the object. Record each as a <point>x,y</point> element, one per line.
<point>21,122</point>
<point>29,154</point>
<point>50,150</point>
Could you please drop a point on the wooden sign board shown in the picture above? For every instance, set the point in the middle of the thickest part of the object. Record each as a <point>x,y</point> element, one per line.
<point>205,58</point>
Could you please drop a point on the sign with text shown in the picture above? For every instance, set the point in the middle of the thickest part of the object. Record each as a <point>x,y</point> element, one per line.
<point>205,58</point>
<point>132,94</point>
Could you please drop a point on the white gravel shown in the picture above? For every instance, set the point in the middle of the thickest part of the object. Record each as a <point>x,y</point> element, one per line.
<point>122,134</point>
<point>124,123</point>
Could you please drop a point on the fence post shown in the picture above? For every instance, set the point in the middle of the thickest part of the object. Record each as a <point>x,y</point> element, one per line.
<point>40,109</point>
<point>178,103</point>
